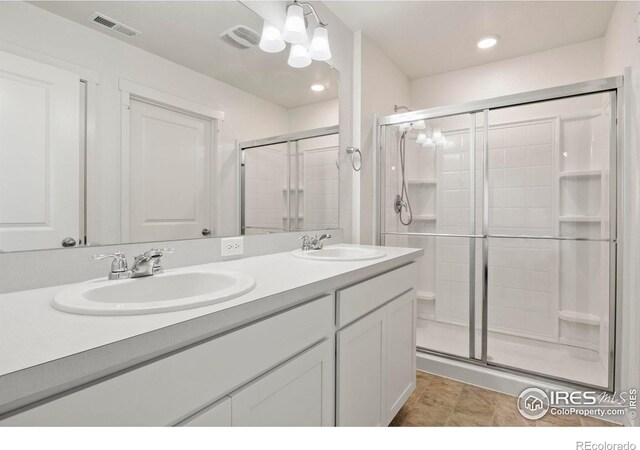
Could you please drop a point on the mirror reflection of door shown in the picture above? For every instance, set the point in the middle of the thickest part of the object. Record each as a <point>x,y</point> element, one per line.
<point>169,174</point>
<point>39,154</point>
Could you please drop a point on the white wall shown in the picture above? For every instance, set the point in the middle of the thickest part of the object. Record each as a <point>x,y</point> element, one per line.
<point>383,86</point>
<point>315,115</point>
<point>563,65</point>
<point>623,50</point>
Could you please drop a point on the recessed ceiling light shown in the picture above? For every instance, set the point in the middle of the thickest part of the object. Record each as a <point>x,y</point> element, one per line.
<point>488,41</point>
<point>317,87</point>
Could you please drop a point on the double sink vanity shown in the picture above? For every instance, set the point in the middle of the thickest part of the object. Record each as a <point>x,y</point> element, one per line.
<point>310,337</point>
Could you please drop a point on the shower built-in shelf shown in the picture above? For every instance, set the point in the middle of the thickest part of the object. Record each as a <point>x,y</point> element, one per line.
<point>426,305</point>
<point>581,174</point>
<point>582,219</point>
<point>579,317</point>
<point>424,218</point>
<point>419,182</point>
<point>426,296</point>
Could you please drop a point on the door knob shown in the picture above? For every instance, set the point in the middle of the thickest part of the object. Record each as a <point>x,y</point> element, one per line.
<point>68,242</point>
<point>206,232</point>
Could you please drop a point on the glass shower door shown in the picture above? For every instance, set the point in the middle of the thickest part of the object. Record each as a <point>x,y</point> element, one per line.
<point>549,238</point>
<point>265,196</point>
<point>431,202</point>
<point>290,183</point>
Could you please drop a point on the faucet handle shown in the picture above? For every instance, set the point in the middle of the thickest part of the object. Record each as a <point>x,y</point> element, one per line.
<point>162,251</point>
<point>306,241</point>
<point>157,252</point>
<point>119,263</point>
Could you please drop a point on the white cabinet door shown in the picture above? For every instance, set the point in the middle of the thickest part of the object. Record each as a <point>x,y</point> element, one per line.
<point>401,352</point>
<point>39,154</point>
<point>169,174</point>
<point>216,415</point>
<point>298,393</point>
<point>361,370</point>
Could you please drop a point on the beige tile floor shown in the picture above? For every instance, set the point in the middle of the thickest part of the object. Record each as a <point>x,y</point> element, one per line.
<point>439,401</point>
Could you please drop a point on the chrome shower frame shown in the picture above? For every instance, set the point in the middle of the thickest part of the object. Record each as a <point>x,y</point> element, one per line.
<point>615,87</point>
<point>292,146</point>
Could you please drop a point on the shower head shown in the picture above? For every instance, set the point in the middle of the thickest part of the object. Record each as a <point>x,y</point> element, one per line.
<point>416,125</point>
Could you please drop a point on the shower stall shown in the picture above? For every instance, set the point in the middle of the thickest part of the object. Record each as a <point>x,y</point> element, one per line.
<point>290,182</point>
<point>513,200</point>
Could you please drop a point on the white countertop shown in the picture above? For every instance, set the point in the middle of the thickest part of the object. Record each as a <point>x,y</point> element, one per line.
<point>44,351</point>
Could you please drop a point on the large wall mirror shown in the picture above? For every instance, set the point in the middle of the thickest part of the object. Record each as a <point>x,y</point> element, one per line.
<point>146,121</point>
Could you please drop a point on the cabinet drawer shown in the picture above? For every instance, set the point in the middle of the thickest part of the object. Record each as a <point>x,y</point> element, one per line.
<point>172,388</point>
<point>357,300</point>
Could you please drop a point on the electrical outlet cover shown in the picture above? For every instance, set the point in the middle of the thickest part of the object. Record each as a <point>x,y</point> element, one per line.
<point>232,246</point>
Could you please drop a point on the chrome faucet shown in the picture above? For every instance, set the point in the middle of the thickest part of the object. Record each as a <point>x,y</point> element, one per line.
<point>119,269</point>
<point>313,243</point>
<point>148,263</point>
<point>144,265</point>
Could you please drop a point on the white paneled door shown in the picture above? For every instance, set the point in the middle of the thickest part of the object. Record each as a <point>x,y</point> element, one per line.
<point>169,174</point>
<point>39,154</point>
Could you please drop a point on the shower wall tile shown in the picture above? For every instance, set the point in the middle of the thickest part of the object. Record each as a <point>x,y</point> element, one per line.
<point>522,275</point>
<point>321,201</point>
<point>539,155</point>
<point>265,175</point>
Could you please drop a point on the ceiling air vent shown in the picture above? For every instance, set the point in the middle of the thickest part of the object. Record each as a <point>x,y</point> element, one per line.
<point>113,25</point>
<point>240,37</point>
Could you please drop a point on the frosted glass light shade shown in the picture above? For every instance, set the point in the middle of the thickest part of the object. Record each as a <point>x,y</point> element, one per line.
<point>428,143</point>
<point>271,40</point>
<point>299,56</point>
<point>319,49</point>
<point>422,138</point>
<point>418,125</point>
<point>295,31</point>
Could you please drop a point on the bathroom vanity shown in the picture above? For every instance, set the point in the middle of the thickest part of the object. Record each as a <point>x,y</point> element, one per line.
<point>316,343</point>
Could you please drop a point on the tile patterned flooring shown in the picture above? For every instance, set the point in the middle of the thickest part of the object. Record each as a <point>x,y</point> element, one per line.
<point>439,401</point>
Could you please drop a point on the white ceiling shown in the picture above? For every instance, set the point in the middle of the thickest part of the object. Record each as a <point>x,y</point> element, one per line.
<point>188,33</point>
<point>426,38</point>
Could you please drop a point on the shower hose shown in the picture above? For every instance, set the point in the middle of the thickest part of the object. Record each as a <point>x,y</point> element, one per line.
<point>405,204</point>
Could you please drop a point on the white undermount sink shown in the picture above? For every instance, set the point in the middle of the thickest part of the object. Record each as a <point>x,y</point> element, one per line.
<point>341,253</point>
<point>170,291</point>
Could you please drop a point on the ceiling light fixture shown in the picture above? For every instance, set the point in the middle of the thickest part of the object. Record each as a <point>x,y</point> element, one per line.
<point>319,49</point>
<point>271,40</point>
<point>418,125</point>
<point>295,33</point>
<point>488,42</point>
<point>317,87</point>
<point>298,56</point>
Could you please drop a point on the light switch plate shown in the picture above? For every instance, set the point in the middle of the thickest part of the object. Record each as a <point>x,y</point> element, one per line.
<point>232,246</point>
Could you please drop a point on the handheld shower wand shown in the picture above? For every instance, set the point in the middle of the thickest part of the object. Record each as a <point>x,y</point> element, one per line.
<point>402,202</point>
